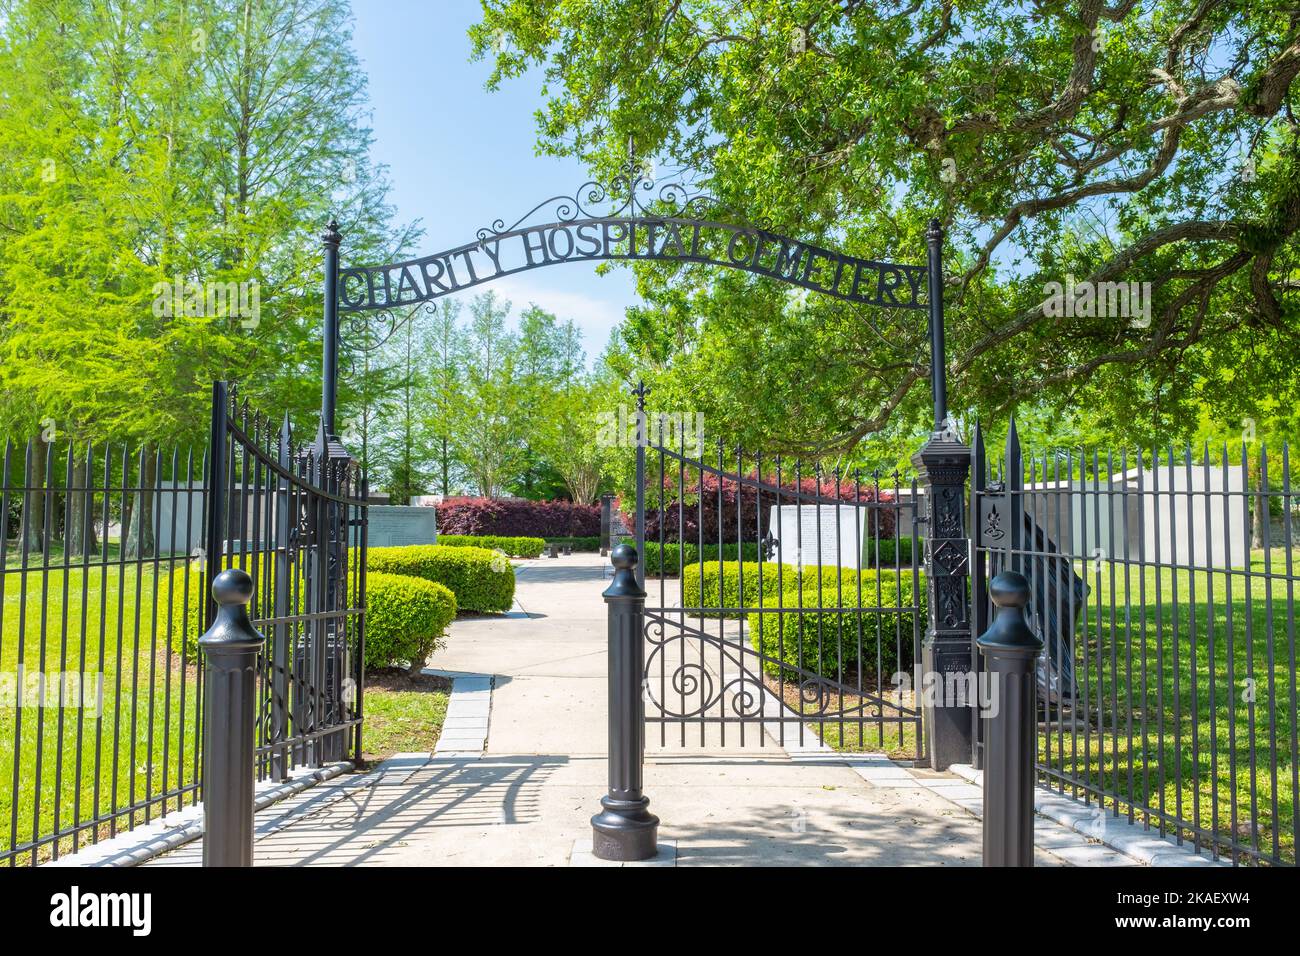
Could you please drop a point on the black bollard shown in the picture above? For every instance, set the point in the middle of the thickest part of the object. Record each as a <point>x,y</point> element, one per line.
<point>230,648</point>
<point>625,829</point>
<point>1010,649</point>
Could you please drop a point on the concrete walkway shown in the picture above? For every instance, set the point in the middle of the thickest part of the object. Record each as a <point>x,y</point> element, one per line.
<point>527,799</point>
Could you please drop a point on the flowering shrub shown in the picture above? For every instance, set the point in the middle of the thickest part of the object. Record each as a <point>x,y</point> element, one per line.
<point>518,517</point>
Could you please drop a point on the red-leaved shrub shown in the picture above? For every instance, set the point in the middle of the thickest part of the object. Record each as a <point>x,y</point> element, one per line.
<point>702,501</point>
<point>518,517</point>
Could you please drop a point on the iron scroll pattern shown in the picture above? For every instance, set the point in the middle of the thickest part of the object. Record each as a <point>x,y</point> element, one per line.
<point>745,694</point>
<point>630,218</point>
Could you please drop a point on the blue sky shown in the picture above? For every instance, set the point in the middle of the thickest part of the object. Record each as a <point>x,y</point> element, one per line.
<point>459,156</point>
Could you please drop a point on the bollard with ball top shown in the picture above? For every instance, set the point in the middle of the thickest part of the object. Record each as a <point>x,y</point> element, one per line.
<point>625,829</point>
<point>230,648</point>
<point>1010,649</point>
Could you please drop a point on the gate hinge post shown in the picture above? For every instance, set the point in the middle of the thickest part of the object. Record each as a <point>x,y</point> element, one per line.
<point>948,680</point>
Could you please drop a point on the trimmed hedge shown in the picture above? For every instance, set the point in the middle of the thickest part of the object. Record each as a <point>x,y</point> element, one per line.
<point>709,585</point>
<point>577,544</point>
<point>675,556</point>
<point>891,549</point>
<point>518,516</point>
<point>516,547</point>
<point>826,640</point>
<point>482,580</point>
<point>406,619</point>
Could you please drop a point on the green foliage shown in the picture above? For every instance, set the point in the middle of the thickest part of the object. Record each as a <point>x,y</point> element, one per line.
<point>850,632</point>
<point>482,580</point>
<point>150,143</point>
<point>734,584</point>
<point>1049,143</point>
<point>577,544</point>
<point>406,618</point>
<point>516,547</point>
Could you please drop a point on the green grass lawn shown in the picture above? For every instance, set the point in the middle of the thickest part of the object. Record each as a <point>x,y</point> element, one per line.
<point>1204,687</point>
<point>112,756</point>
<point>403,715</point>
<point>1216,659</point>
<point>140,739</point>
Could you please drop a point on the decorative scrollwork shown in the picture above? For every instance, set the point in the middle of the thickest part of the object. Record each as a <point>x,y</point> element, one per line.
<point>743,694</point>
<point>630,192</point>
<point>362,333</point>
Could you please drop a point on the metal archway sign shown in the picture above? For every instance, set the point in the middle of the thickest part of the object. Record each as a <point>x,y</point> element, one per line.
<point>639,222</point>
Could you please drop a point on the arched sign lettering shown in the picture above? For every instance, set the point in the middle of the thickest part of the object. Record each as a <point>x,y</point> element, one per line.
<point>637,223</point>
<point>665,229</point>
<point>632,238</point>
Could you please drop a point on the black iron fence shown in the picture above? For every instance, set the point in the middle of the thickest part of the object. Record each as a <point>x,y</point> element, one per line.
<point>1162,583</point>
<point>104,563</point>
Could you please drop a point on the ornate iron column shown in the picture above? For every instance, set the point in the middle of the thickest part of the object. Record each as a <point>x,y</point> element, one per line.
<point>948,660</point>
<point>230,648</point>
<point>625,829</point>
<point>947,679</point>
<point>1010,649</point>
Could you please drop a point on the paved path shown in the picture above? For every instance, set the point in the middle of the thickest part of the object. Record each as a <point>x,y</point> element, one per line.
<point>528,799</point>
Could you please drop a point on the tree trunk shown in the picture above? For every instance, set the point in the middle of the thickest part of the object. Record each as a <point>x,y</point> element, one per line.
<point>80,533</point>
<point>34,506</point>
<point>445,491</point>
<point>140,542</point>
<point>1259,515</point>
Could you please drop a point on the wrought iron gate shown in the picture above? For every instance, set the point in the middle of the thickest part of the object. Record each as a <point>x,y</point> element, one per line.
<point>782,601</point>
<point>295,521</point>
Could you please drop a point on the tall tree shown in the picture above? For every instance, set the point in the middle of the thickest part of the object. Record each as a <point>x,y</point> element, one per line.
<point>1137,143</point>
<point>489,436</point>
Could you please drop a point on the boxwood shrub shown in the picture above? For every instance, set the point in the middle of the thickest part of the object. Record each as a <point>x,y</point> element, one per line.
<point>406,619</point>
<point>825,640</point>
<point>516,547</point>
<point>733,584</point>
<point>482,580</point>
<point>577,544</point>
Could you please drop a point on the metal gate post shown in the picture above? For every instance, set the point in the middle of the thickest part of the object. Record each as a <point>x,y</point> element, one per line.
<point>330,330</point>
<point>279,729</point>
<point>625,829</point>
<point>642,439</point>
<point>947,680</point>
<point>1010,649</point>
<point>230,648</point>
